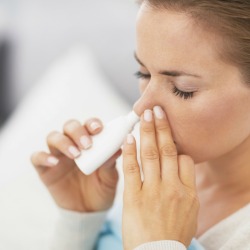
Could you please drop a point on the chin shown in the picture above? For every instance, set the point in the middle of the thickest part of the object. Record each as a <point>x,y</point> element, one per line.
<point>180,151</point>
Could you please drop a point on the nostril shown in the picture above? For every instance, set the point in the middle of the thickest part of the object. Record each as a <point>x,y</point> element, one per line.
<point>137,110</point>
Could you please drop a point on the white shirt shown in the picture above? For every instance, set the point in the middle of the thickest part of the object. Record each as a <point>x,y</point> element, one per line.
<point>79,231</point>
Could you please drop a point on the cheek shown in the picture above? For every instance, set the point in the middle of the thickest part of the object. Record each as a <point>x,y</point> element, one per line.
<point>205,129</point>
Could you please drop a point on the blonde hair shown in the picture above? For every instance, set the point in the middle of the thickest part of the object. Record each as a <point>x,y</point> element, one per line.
<point>229,18</point>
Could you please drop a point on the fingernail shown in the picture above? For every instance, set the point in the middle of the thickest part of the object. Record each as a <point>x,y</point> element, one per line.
<point>53,160</point>
<point>148,115</point>
<point>158,112</point>
<point>85,141</point>
<point>74,151</point>
<point>130,139</point>
<point>95,125</point>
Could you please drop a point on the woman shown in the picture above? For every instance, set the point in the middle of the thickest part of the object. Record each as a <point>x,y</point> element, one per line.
<point>194,58</point>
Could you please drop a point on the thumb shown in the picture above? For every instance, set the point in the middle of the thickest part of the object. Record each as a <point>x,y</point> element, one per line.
<point>108,173</point>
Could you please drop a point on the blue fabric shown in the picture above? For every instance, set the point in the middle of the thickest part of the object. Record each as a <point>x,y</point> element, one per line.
<point>110,237</point>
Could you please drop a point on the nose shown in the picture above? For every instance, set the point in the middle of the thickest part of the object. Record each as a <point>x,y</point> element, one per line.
<point>147,101</point>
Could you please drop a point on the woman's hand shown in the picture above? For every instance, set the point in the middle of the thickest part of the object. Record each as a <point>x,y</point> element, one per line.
<point>165,205</point>
<point>69,187</point>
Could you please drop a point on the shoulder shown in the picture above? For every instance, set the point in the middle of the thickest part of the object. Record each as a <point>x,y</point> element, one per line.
<point>240,239</point>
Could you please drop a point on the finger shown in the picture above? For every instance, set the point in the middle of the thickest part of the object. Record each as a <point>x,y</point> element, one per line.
<point>166,146</point>
<point>108,173</point>
<point>78,134</point>
<point>187,171</point>
<point>61,144</point>
<point>149,152</point>
<point>42,160</point>
<point>93,126</point>
<point>131,170</point>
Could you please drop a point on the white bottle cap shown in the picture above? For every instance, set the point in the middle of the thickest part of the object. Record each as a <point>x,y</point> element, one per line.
<point>133,118</point>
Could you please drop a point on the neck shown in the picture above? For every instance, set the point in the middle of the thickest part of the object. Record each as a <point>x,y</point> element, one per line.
<point>230,173</point>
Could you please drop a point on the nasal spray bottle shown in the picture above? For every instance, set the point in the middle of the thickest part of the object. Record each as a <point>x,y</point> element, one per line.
<point>107,142</point>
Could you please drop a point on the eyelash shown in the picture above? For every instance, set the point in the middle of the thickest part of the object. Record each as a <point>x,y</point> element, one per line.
<point>140,75</point>
<point>177,92</point>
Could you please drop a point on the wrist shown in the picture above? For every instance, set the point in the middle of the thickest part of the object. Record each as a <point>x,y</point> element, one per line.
<point>80,209</point>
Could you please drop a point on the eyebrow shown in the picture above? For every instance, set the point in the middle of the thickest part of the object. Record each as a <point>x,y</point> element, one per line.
<point>173,73</point>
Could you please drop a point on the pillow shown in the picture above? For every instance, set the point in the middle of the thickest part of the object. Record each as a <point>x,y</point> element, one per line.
<point>72,88</point>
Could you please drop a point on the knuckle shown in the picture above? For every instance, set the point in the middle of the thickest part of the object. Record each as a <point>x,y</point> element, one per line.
<point>163,127</point>
<point>175,194</point>
<point>168,150</point>
<point>91,120</point>
<point>179,194</point>
<point>131,200</point>
<point>70,126</point>
<point>93,126</point>
<point>131,168</point>
<point>148,129</point>
<point>150,154</point>
<point>128,151</point>
<point>194,199</point>
<point>154,192</point>
<point>53,136</point>
<point>34,157</point>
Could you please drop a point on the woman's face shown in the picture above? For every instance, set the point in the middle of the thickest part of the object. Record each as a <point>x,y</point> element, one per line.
<point>176,55</point>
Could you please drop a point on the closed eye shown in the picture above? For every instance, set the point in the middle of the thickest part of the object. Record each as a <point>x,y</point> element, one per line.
<point>182,94</point>
<point>175,90</point>
<point>140,75</point>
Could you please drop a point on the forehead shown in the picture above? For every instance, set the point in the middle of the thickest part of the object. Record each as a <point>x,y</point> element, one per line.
<point>173,36</point>
<point>162,22</point>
